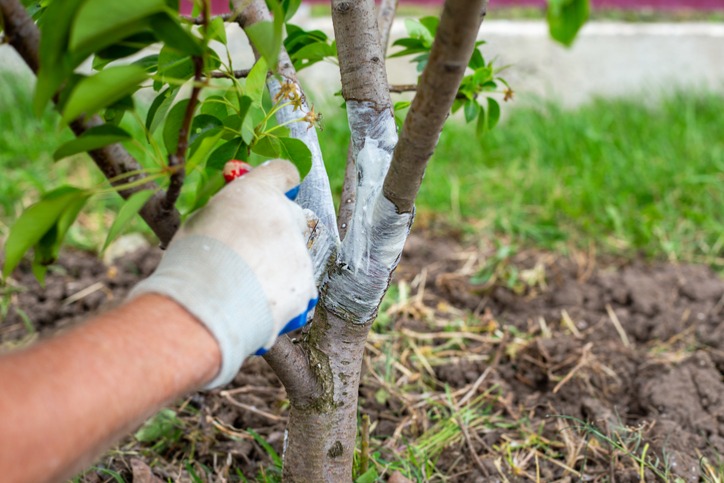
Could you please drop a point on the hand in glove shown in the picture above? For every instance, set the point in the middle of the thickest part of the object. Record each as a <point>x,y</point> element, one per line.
<point>240,265</point>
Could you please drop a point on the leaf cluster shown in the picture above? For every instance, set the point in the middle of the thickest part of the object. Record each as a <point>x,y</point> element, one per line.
<point>475,94</point>
<point>232,119</point>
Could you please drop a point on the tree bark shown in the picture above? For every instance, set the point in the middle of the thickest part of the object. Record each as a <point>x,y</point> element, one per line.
<point>449,57</point>
<point>321,432</point>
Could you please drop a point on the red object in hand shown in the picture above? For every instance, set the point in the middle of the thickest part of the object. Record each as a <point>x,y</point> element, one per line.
<point>235,169</point>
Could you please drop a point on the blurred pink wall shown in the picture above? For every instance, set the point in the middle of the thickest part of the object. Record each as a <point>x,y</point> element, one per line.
<point>222,6</point>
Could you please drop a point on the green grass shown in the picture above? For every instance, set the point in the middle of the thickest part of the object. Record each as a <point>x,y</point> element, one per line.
<point>26,145</point>
<point>626,175</point>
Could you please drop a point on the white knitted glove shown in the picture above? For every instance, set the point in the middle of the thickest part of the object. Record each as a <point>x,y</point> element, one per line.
<point>240,265</point>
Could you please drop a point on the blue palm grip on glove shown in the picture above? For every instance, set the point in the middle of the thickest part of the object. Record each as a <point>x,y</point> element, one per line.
<point>301,320</point>
<point>296,323</point>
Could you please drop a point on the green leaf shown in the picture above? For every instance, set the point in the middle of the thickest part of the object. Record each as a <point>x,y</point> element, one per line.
<point>148,63</point>
<point>493,113</point>
<point>286,148</point>
<point>313,53</point>
<point>369,476</point>
<point>488,118</point>
<point>114,113</point>
<point>268,146</point>
<point>476,60</point>
<point>431,23</point>
<point>290,7</point>
<point>174,35</point>
<point>233,149</point>
<point>164,424</point>
<point>565,19</point>
<point>174,121</point>
<point>124,48</point>
<point>55,62</point>
<point>174,65</point>
<point>205,144</point>
<point>267,37</point>
<point>201,125</point>
<point>216,106</point>
<point>102,89</point>
<point>211,182</point>
<point>471,110</point>
<point>93,138</point>
<point>129,209</point>
<point>256,82</point>
<point>298,153</point>
<point>217,30</point>
<point>37,220</point>
<point>100,23</point>
<point>417,30</point>
<point>305,48</point>
<point>159,107</point>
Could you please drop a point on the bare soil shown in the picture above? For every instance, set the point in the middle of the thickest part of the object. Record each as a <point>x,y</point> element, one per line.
<point>536,367</point>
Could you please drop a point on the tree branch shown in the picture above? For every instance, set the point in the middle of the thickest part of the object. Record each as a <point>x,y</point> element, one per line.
<point>112,160</point>
<point>400,88</point>
<point>226,17</point>
<point>451,51</point>
<point>239,74</point>
<point>291,366</point>
<point>362,68</point>
<point>361,61</point>
<point>385,19</point>
<point>177,160</point>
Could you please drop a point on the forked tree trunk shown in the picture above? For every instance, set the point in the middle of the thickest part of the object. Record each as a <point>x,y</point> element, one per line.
<point>322,431</point>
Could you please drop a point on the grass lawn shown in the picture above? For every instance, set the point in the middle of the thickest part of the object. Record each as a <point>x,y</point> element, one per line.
<point>622,174</point>
<point>626,175</point>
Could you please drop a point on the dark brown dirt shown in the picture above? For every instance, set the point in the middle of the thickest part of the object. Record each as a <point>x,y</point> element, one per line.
<point>557,351</point>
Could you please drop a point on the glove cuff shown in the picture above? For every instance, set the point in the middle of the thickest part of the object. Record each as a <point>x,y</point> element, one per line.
<point>217,287</point>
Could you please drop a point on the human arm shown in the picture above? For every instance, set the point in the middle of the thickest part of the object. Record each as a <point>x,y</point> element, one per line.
<point>235,275</point>
<point>64,400</point>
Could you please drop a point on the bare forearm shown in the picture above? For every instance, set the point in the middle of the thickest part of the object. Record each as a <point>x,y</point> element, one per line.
<point>64,400</point>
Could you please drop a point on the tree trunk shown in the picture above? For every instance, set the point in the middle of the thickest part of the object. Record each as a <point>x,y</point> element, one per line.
<point>321,434</point>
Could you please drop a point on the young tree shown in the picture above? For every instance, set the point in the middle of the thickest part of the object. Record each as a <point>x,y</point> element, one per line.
<point>356,251</point>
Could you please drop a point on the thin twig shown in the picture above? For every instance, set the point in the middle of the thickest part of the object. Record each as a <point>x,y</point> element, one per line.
<point>469,444</point>
<point>365,444</point>
<point>400,88</point>
<point>251,409</point>
<point>581,363</point>
<point>177,160</point>
<point>226,17</point>
<point>617,324</point>
<point>238,74</point>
